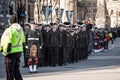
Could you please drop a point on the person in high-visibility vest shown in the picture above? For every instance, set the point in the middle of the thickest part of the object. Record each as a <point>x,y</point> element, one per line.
<point>111,36</point>
<point>12,46</point>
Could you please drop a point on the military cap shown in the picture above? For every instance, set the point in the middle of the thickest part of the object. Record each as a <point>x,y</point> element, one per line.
<point>55,23</point>
<point>39,24</point>
<point>67,23</point>
<point>62,25</point>
<point>83,25</point>
<point>47,25</point>
<point>80,23</point>
<point>27,24</point>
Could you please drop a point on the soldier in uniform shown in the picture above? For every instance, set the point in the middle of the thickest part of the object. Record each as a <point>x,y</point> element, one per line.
<point>54,44</point>
<point>76,49</point>
<point>27,28</point>
<point>85,41</point>
<point>62,45</point>
<point>69,46</point>
<point>33,45</point>
<point>46,39</point>
<point>41,33</point>
<point>91,37</point>
<point>80,42</point>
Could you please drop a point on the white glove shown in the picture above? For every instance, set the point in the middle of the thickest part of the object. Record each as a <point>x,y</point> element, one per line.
<point>26,47</point>
<point>40,47</point>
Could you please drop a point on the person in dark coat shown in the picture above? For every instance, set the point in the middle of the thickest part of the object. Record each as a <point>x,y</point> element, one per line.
<point>76,48</point>
<point>69,49</point>
<point>27,28</point>
<point>46,40</point>
<point>84,41</point>
<point>41,33</point>
<point>62,45</point>
<point>54,44</point>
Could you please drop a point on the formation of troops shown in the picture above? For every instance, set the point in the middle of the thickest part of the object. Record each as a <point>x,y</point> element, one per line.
<point>60,44</point>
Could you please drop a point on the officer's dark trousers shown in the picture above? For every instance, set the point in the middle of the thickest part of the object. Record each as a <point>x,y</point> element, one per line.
<point>76,54</point>
<point>12,63</point>
<point>69,54</point>
<point>54,55</point>
<point>68,51</point>
<point>106,45</point>
<point>26,55</point>
<point>60,56</point>
<point>47,57</point>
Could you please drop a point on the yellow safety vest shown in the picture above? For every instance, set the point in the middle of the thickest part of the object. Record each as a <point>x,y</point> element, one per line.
<point>14,36</point>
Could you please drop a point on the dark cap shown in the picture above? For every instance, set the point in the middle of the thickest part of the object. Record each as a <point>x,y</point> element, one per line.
<point>62,25</point>
<point>55,23</point>
<point>27,24</point>
<point>39,24</point>
<point>80,23</point>
<point>47,25</point>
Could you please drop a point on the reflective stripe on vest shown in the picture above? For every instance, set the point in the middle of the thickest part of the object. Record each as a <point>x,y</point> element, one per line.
<point>16,46</point>
<point>33,39</point>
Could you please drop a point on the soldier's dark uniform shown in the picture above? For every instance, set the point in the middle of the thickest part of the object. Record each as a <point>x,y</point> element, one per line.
<point>33,38</point>
<point>27,28</point>
<point>85,41</point>
<point>46,40</point>
<point>41,53</point>
<point>69,47</point>
<point>62,46</point>
<point>80,44</point>
<point>77,48</point>
<point>54,46</point>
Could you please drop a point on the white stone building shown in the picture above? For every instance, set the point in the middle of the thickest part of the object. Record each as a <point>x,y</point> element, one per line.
<point>108,13</point>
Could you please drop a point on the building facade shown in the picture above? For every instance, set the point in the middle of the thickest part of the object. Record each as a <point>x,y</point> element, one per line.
<point>108,13</point>
<point>86,9</point>
<point>53,10</point>
<point>113,7</point>
<point>103,12</point>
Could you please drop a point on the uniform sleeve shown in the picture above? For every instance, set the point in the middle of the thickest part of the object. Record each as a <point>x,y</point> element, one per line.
<point>23,37</point>
<point>6,38</point>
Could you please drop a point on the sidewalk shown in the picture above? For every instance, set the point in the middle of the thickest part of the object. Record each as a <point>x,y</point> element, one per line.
<point>99,74</point>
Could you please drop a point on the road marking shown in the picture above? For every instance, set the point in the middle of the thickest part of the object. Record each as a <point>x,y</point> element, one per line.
<point>104,57</point>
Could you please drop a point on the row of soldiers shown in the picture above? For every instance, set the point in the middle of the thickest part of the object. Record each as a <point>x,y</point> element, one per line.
<point>56,44</point>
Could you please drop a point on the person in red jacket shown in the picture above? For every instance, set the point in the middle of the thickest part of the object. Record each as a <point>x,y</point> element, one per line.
<point>106,40</point>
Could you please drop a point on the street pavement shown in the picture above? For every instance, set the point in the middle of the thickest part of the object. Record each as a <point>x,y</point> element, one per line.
<point>99,66</point>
